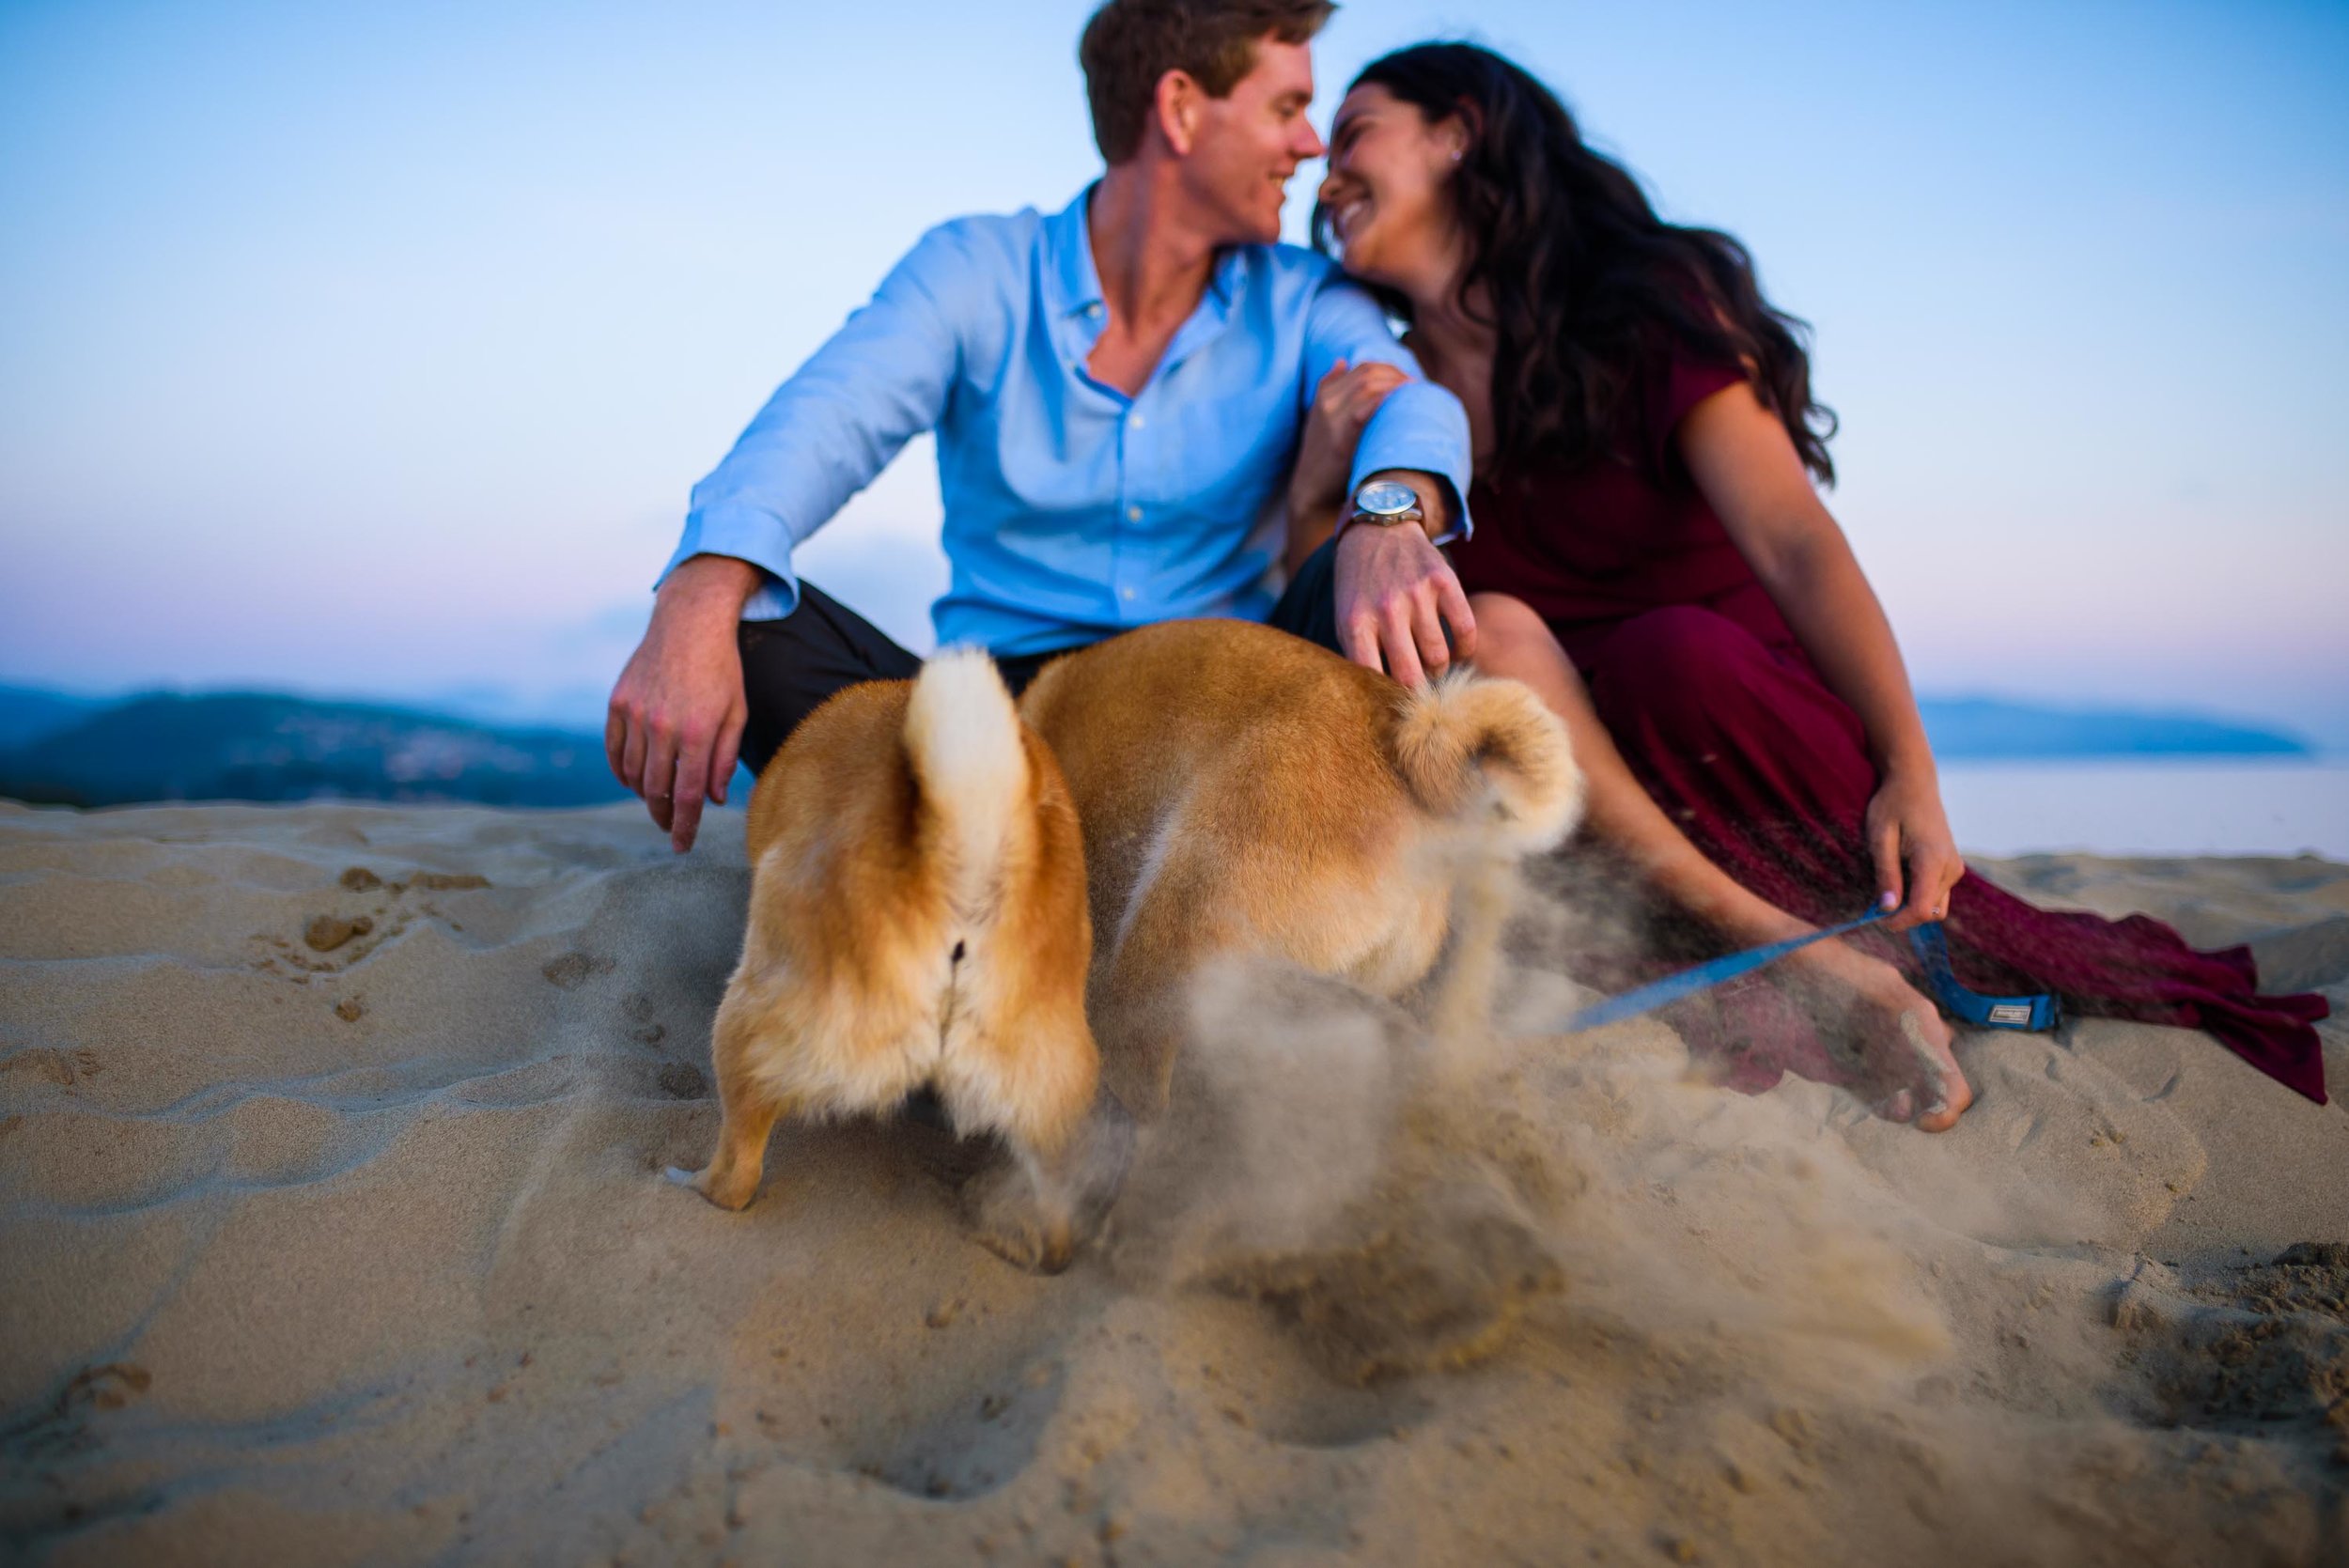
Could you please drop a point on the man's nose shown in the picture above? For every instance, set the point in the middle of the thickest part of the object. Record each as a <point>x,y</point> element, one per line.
<point>1314,147</point>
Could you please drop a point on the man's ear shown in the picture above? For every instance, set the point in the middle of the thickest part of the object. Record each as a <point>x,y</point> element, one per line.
<point>1176,108</point>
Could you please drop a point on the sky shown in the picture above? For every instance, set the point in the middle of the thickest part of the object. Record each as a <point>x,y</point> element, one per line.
<point>368,349</point>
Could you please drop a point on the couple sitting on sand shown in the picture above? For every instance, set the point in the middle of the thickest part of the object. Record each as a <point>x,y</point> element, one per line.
<point>1146,407</point>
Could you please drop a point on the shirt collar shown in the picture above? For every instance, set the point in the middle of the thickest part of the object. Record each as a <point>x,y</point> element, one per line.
<point>1071,280</point>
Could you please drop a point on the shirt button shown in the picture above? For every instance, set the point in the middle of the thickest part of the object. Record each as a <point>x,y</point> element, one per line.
<point>1129,593</point>
<point>1133,514</point>
<point>1093,310</point>
<point>1135,420</point>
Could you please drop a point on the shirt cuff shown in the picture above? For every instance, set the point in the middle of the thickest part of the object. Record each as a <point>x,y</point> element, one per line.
<point>746,535</point>
<point>1422,427</point>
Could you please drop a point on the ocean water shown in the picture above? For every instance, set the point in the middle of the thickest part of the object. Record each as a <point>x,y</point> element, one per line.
<point>2226,806</point>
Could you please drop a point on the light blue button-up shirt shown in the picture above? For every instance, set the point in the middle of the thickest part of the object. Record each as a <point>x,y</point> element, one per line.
<point>1073,511</point>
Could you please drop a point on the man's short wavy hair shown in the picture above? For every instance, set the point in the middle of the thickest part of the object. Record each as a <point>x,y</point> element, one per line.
<point>1129,44</point>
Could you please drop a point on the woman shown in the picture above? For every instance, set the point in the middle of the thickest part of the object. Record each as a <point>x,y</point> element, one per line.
<point>1650,555</point>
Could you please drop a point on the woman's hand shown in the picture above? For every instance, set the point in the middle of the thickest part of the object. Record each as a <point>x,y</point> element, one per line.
<point>1333,428</point>
<point>1906,828</point>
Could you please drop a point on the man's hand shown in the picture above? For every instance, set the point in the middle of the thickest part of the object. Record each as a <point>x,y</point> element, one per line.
<point>675,726</point>
<point>1396,594</point>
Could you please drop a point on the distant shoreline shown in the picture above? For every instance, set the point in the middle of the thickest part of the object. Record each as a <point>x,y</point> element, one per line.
<point>57,748</point>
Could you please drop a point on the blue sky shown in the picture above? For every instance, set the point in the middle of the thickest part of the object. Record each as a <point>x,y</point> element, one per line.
<point>373,350</point>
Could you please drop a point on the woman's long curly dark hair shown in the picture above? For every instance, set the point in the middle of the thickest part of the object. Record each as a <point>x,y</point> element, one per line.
<point>1586,288</point>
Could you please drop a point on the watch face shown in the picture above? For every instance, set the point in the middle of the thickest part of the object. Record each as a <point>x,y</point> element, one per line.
<point>1386,496</point>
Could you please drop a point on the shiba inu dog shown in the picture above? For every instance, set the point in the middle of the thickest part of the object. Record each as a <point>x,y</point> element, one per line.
<point>924,903</point>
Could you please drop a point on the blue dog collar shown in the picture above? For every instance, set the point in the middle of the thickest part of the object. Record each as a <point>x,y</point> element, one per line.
<point>2036,1014</point>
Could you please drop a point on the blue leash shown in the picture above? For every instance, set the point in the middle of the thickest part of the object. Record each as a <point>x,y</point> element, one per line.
<point>2035,1013</point>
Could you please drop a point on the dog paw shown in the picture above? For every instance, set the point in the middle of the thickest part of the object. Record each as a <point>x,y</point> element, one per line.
<point>701,1182</point>
<point>1028,1248</point>
<point>1007,1219</point>
<point>1097,1173</point>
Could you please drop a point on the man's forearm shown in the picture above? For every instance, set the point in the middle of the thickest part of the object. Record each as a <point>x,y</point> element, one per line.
<point>707,590</point>
<point>1435,506</point>
<point>1420,434</point>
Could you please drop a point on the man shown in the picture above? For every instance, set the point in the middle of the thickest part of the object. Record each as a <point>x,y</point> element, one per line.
<point>1117,390</point>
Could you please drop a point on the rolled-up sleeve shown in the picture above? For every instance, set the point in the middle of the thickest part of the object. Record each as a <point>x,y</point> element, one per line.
<point>1420,425</point>
<point>878,382</point>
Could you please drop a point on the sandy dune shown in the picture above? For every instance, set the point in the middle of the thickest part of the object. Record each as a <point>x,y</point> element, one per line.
<point>329,1142</point>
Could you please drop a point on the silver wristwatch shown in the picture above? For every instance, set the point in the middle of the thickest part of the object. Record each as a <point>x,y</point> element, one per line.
<point>1386,502</point>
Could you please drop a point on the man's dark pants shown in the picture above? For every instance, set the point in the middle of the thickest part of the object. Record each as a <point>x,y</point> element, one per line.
<point>791,665</point>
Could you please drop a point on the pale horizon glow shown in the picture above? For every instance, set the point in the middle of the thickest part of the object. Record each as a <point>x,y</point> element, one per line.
<point>372,350</point>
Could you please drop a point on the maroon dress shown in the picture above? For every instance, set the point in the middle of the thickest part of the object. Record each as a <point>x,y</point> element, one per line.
<point>1722,718</point>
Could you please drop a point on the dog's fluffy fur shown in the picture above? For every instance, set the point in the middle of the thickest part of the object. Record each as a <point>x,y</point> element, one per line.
<point>917,918</point>
<point>920,883</point>
<point>1246,793</point>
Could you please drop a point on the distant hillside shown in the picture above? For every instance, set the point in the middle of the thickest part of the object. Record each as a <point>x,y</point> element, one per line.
<point>261,746</point>
<point>1985,727</point>
<point>27,713</point>
<point>56,749</point>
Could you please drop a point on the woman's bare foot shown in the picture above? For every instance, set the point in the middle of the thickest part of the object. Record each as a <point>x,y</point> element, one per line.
<point>1941,1093</point>
<point>1908,1070</point>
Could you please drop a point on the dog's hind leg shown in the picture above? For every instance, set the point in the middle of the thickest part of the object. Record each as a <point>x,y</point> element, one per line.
<point>749,1106</point>
<point>1070,1140</point>
<point>1082,1181</point>
<point>1035,1209</point>
<point>730,1180</point>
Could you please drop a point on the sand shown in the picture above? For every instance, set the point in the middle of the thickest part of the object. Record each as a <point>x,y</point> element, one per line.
<point>330,1141</point>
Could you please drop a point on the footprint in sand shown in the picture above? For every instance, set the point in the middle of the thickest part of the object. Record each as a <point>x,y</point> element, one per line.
<point>970,1420</point>
<point>972,1446</point>
<point>680,1080</point>
<point>575,970</point>
<point>2258,1350</point>
<point>638,1009</point>
<point>359,879</point>
<point>63,1425</point>
<point>1311,1411</point>
<point>325,933</point>
<point>334,941</point>
<point>1436,1275</point>
<point>65,1069</point>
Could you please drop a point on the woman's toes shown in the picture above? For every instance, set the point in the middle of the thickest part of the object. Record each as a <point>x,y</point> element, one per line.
<point>1949,1105</point>
<point>1950,1094</point>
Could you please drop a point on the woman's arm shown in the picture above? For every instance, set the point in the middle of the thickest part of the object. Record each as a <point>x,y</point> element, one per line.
<point>1740,457</point>
<point>1342,407</point>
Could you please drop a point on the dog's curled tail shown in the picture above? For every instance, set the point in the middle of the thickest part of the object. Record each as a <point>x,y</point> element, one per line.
<point>1485,752</point>
<point>970,767</point>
